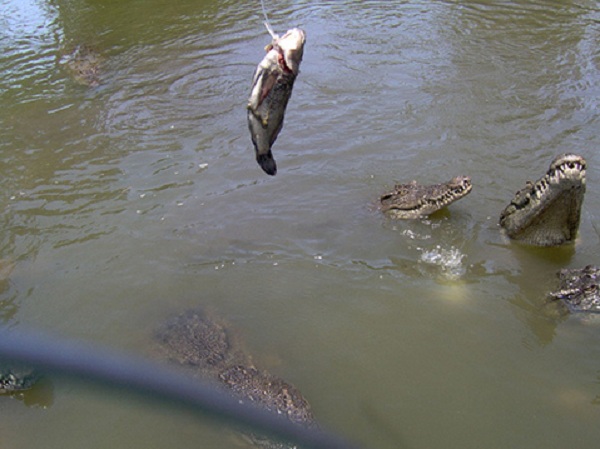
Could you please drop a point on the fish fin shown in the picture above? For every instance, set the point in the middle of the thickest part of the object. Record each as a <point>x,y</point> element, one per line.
<point>255,97</point>
<point>267,163</point>
<point>268,85</point>
<point>264,81</point>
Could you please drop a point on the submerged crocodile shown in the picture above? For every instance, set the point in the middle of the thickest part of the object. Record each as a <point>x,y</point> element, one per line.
<point>547,212</point>
<point>83,63</point>
<point>578,289</point>
<point>15,378</point>
<point>413,200</point>
<point>203,346</point>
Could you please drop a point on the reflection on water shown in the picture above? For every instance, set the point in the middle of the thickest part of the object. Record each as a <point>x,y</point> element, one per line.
<point>127,202</point>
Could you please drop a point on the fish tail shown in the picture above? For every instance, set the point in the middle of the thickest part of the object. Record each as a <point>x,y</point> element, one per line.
<point>267,163</point>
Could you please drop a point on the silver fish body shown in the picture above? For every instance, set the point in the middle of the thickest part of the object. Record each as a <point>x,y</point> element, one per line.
<point>271,90</point>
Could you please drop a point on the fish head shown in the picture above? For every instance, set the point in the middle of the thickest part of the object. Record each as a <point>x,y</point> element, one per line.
<point>291,47</point>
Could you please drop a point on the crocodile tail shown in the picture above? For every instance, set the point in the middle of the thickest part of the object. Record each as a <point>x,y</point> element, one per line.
<point>267,163</point>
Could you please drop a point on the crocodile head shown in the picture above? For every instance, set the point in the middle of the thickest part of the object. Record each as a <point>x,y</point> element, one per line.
<point>547,212</point>
<point>16,378</point>
<point>578,289</point>
<point>417,201</point>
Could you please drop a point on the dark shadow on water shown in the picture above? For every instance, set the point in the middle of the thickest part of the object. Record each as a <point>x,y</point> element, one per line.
<point>533,305</point>
<point>560,255</point>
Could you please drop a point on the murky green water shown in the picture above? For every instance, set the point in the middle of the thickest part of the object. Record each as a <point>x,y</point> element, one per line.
<point>129,202</point>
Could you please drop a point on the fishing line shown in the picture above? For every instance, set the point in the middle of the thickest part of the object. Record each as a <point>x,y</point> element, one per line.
<point>266,22</point>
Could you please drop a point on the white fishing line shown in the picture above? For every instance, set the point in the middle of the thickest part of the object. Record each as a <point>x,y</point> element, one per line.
<point>266,22</point>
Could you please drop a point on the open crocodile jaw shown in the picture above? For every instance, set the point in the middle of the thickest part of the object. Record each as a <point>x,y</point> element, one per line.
<point>411,201</point>
<point>547,212</point>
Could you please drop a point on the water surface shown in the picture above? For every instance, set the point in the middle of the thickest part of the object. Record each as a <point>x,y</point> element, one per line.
<point>129,202</point>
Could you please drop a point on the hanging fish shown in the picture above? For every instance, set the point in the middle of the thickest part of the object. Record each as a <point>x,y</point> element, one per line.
<point>271,90</point>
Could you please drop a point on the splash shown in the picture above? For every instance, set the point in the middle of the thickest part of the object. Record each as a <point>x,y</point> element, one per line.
<point>449,260</point>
